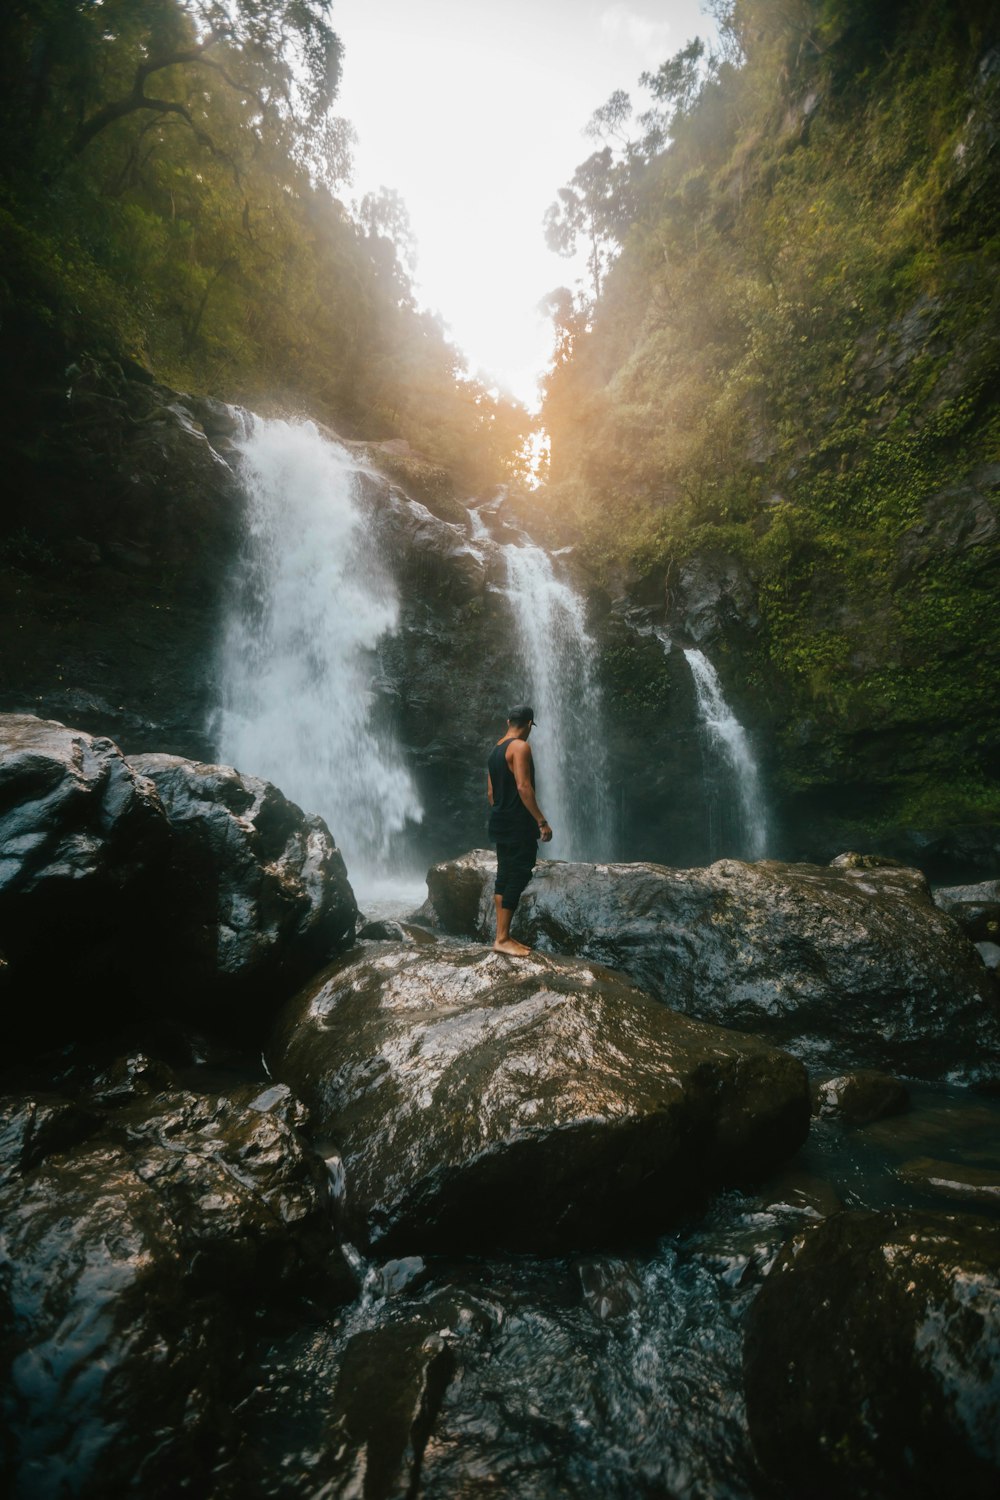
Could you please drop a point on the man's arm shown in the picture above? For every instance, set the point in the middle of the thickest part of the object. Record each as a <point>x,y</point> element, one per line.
<point>519,760</point>
<point>489,788</point>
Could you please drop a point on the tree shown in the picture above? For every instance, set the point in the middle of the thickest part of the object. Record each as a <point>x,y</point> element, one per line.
<point>596,208</point>
<point>81,68</point>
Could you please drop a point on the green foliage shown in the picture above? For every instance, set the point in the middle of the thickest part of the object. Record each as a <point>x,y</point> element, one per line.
<point>170,169</point>
<point>798,348</point>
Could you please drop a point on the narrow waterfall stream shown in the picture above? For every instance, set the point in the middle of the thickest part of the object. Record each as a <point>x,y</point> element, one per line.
<point>729,743</point>
<point>556,658</point>
<point>309,604</point>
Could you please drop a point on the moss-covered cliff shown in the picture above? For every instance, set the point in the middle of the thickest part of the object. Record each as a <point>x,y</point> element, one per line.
<point>790,374</point>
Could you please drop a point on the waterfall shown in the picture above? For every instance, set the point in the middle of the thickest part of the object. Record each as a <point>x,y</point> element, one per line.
<point>556,657</point>
<point>727,737</point>
<point>309,603</point>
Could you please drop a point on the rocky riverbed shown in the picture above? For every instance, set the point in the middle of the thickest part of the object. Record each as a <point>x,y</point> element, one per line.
<point>292,1204</point>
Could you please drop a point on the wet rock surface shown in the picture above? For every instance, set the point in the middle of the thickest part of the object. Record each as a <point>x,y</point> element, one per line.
<point>873,1358</point>
<point>84,842</point>
<point>845,966</point>
<point>136,1264</point>
<point>859,1098</point>
<point>387,1397</point>
<point>263,895</point>
<point>479,1100</point>
<point>153,887</point>
<point>976,909</point>
<point>969,1184</point>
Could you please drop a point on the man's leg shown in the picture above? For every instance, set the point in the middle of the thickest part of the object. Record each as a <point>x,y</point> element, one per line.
<point>506,892</point>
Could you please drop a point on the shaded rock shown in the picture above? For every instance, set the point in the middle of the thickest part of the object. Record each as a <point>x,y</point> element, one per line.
<point>610,1288</point>
<point>960,519</point>
<point>263,897</point>
<point>862,1096</point>
<point>990,955</point>
<point>402,1275</point>
<point>129,1078</point>
<point>127,1263</point>
<point>804,1193</point>
<point>872,1359</point>
<point>384,931</point>
<point>976,908</point>
<point>480,1101</point>
<point>133,622</point>
<point>35,1126</point>
<point>84,844</point>
<point>712,596</point>
<point>843,966</point>
<point>952,1179</point>
<point>388,1394</point>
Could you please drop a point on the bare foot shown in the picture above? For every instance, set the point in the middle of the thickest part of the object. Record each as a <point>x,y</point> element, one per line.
<point>513,947</point>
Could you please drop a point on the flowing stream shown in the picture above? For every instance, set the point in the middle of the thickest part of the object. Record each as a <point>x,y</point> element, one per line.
<point>729,744</point>
<point>311,600</point>
<point>601,1376</point>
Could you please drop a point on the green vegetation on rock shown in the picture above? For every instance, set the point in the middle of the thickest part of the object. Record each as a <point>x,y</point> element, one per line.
<point>790,355</point>
<point>169,180</point>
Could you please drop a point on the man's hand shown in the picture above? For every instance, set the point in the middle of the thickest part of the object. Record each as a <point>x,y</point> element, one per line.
<point>545,833</point>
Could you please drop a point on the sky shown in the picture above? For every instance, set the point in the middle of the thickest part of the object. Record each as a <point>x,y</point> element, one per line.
<point>474,112</point>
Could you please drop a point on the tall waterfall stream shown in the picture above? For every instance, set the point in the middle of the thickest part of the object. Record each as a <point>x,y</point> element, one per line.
<point>557,659</point>
<point>310,604</point>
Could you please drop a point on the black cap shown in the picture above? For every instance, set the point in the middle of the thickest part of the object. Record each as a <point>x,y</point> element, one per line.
<point>521,715</point>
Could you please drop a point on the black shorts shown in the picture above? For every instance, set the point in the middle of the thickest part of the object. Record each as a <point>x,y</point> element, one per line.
<point>515,862</point>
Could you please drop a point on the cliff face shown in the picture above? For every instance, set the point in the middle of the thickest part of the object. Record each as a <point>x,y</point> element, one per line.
<point>125,520</point>
<point>778,427</point>
<point>122,516</point>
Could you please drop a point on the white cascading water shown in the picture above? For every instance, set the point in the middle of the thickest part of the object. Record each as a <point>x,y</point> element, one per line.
<point>557,657</point>
<point>727,736</point>
<point>307,611</point>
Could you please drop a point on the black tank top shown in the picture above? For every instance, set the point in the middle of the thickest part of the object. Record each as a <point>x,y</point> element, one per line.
<point>509,818</point>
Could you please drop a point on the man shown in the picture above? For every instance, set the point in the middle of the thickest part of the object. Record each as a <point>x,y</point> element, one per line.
<point>516,821</point>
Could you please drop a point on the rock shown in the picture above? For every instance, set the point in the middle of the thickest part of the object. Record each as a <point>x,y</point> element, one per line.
<point>133,622</point>
<point>263,897</point>
<point>129,1263</point>
<point>397,1276</point>
<point>216,419</point>
<point>713,596</point>
<point>976,909</point>
<point>610,1288</point>
<point>845,967</point>
<point>860,1097</point>
<point>384,931</point>
<point>990,955</point>
<point>544,1102</point>
<point>951,1179</point>
<point>176,889</point>
<point>129,1078</point>
<point>956,520</point>
<point>388,1394</point>
<point>84,846</point>
<point>872,1359</point>
<point>34,1127</point>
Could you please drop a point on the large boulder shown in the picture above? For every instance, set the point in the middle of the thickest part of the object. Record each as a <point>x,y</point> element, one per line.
<point>128,1264</point>
<point>540,1102</point>
<point>848,965</point>
<point>84,843</point>
<point>263,899</point>
<point>873,1359</point>
<point>153,888</point>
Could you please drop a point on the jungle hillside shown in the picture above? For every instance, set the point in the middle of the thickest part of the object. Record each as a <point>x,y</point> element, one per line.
<point>784,359</point>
